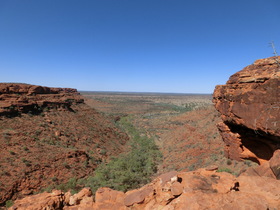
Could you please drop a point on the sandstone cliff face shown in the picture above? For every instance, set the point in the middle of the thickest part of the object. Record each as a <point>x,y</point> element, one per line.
<point>24,98</point>
<point>249,104</point>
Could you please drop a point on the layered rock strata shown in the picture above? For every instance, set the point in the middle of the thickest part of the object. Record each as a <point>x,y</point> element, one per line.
<point>249,104</point>
<point>24,98</point>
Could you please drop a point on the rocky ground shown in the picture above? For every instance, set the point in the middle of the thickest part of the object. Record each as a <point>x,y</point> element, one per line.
<point>200,189</point>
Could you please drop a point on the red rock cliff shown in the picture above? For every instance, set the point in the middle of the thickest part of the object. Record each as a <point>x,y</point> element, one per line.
<point>249,104</point>
<point>60,138</point>
<point>23,98</point>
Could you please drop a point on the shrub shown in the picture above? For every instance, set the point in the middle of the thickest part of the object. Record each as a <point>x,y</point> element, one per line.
<point>225,170</point>
<point>103,152</point>
<point>248,162</point>
<point>127,171</point>
<point>9,203</point>
<point>54,179</point>
<point>229,162</point>
<point>131,170</point>
<point>70,185</point>
<point>12,152</point>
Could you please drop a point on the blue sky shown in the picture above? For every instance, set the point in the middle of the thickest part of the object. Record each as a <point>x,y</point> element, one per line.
<point>180,46</point>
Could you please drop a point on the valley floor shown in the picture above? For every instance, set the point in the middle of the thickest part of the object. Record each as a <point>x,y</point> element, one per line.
<point>183,126</point>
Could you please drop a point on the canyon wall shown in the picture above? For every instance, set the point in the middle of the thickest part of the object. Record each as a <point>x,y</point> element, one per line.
<point>24,98</point>
<point>249,104</point>
<point>49,136</point>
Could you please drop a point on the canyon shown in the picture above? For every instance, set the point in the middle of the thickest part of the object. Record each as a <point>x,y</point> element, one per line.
<point>249,126</point>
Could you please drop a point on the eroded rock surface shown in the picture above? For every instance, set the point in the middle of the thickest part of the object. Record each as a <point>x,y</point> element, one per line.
<point>249,104</point>
<point>199,189</point>
<point>24,98</point>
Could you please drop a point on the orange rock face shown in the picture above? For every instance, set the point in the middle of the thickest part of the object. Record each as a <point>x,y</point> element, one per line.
<point>249,104</point>
<point>274,164</point>
<point>24,98</point>
<point>54,200</point>
<point>199,189</point>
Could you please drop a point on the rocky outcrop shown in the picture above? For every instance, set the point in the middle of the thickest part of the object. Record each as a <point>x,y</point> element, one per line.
<point>274,164</point>
<point>249,104</point>
<point>201,189</point>
<point>24,98</point>
<point>48,138</point>
<point>54,200</point>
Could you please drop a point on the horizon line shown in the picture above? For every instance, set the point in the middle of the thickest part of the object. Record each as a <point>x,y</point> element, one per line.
<point>144,92</point>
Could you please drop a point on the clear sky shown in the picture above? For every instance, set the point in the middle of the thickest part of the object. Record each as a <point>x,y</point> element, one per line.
<point>180,46</point>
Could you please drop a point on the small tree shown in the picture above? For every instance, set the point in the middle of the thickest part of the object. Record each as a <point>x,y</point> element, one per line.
<point>275,52</point>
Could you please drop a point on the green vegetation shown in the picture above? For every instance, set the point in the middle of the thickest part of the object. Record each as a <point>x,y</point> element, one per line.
<point>172,107</point>
<point>229,162</point>
<point>228,171</point>
<point>70,185</point>
<point>9,203</point>
<point>73,184</point>
<point>127,171</point>
<point>224,170</point>
<point>191,106</point>
<point>26,162</point>
<point>130,170</point>
<point>12,152</point>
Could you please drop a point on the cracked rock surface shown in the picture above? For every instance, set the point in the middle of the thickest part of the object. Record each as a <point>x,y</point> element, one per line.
<point>249,104</point>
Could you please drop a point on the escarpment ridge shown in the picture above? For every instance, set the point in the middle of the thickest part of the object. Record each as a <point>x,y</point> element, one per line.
<point>48,136</point>
<point>24,98</point>
<point>249,104</point>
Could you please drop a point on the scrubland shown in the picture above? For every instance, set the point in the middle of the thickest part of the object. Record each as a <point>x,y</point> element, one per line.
<point>183,126</point>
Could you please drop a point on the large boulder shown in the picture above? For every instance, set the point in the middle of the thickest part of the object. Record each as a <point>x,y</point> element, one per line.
<point>274,164</point>
<point>54,200</point>
<point>200,189</point>
<point>250,109</point>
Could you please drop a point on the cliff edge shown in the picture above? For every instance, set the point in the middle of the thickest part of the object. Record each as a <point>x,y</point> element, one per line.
<point>48,136</point>
<point>249,104</point>
<point>23,98</point>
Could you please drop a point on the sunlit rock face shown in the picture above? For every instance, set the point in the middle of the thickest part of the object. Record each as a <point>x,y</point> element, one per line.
<point>200,189</point>
<point>249,104</point>
<point>23,98</point>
